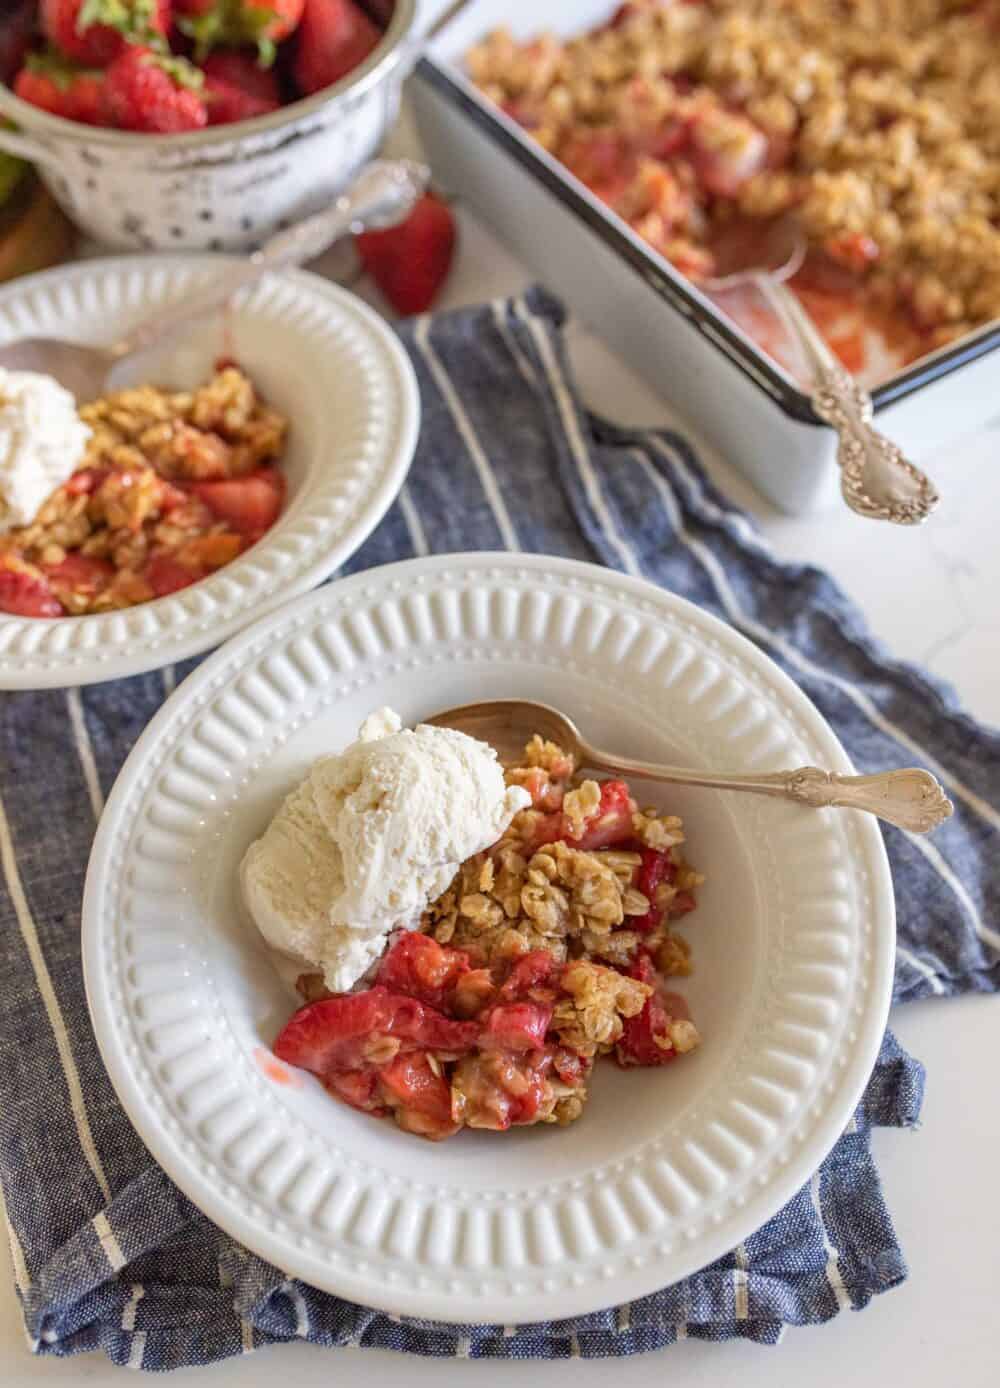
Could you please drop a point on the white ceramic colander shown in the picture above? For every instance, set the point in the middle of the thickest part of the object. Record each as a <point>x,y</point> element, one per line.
<point>224,188</point>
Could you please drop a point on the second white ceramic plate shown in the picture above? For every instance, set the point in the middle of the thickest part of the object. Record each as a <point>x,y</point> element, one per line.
<point>319,355</point>
<point>793,947</point>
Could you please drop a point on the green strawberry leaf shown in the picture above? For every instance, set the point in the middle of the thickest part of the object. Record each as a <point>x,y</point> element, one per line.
<point>135,20</point>
<point>48,63</point>
<point>179,70</point>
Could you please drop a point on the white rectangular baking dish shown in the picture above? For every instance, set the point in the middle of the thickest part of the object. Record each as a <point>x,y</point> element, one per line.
<point>704,366</point>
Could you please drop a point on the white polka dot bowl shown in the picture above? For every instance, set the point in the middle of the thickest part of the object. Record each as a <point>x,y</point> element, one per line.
<point>224,188</point>
<point>320,356</point>
<point>668,1169</point>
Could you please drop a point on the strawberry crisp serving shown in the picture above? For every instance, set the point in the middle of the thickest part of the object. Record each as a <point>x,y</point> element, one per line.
<point>551,946</point>
<point>169,487</point>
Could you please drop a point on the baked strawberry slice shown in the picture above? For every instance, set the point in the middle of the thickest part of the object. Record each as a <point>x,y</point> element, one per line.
<point>249,504</point>
<point>334,37</point>
<point>727,150</point>
<point>421,968</point>
<point>410,262</point>
<point>414,1087</point>
<point>337,1034</point>
<point>655,869</point>
<point>645,1038</point>
<point>166,574</point>
<point>854,250</point>
<point>497,1090</point>
<point>682,903</point>
<point>25,592</point>
<point>533,974</point>
<point>85,481</point>
<point>80,573</point>
<point>359,1088</point>
<point>516,1026</point>
<point>610,824</point>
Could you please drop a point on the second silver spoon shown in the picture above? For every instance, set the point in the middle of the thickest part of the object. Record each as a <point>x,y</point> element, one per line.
<point>382,195</point>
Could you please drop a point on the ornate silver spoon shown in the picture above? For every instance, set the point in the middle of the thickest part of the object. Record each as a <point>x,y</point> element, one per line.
<point>910,798</point>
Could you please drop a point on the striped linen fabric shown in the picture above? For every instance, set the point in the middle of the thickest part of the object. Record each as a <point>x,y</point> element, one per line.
<point>106,1251</point>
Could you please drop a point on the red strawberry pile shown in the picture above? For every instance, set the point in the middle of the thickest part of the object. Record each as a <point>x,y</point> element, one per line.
<point>168,66</point>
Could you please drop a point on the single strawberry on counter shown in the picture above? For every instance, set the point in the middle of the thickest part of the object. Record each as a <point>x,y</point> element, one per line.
<point>94,32</point>
<point>48,81</point>
<point>237,87</point>
<point>410,262</point>
<point>334,37</point>
<point>145,91</point>
<point>261,22</point>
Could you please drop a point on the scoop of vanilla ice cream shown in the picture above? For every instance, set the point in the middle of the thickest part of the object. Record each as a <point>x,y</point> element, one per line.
<point>42,439</point>
<point>369,838</point>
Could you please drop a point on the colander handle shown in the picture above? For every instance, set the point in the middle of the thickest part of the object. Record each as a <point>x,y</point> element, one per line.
<point>24,147</point>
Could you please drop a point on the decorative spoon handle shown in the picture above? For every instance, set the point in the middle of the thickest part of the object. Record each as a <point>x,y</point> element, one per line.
<point>383,194</point>
<point>877,481</point>
<point>910,798</point>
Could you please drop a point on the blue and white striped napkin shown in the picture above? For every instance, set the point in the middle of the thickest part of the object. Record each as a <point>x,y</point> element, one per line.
<point>107,1253</point>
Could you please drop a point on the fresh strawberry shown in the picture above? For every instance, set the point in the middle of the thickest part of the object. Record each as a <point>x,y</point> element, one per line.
<point>238,88</point>
<point>94,32</point>
<point>144,91</point>
<point>239,68</point>
<point>54,85</point>
<point>262,22</point>
<point>249,504</point>
<point>334,37</point>
<point>25,592</point>
<point>410,262</point>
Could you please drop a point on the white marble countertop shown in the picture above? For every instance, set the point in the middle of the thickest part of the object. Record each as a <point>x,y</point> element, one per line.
<point>932,596</point>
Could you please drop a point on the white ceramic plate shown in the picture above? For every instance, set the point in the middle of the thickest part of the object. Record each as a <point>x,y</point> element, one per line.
<point>319,355</point>
<point>793,946</point>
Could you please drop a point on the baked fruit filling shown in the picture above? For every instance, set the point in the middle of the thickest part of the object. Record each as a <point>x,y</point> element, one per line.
<point>173,485</point>
<point>550,949</point>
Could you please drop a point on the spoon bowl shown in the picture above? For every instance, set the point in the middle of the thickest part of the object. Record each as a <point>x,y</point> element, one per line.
<point>910,798</point>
